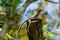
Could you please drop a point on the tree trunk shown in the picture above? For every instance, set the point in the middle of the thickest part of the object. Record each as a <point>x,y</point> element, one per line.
<point>34,29</point>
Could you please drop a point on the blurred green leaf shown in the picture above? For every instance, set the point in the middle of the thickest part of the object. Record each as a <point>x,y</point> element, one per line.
<point>1,13</point>
<point>1,21</point>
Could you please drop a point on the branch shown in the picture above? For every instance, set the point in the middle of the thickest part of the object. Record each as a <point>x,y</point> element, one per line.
<point>31,17</point>
<point>25,5</point>
<point>4,30</point>
<point>53,2</point>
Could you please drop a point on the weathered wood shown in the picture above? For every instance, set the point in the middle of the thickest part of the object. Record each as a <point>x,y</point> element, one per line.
<point>34,29</point>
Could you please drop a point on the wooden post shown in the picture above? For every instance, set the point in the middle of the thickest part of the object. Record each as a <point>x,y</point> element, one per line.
<point>34,29</point>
